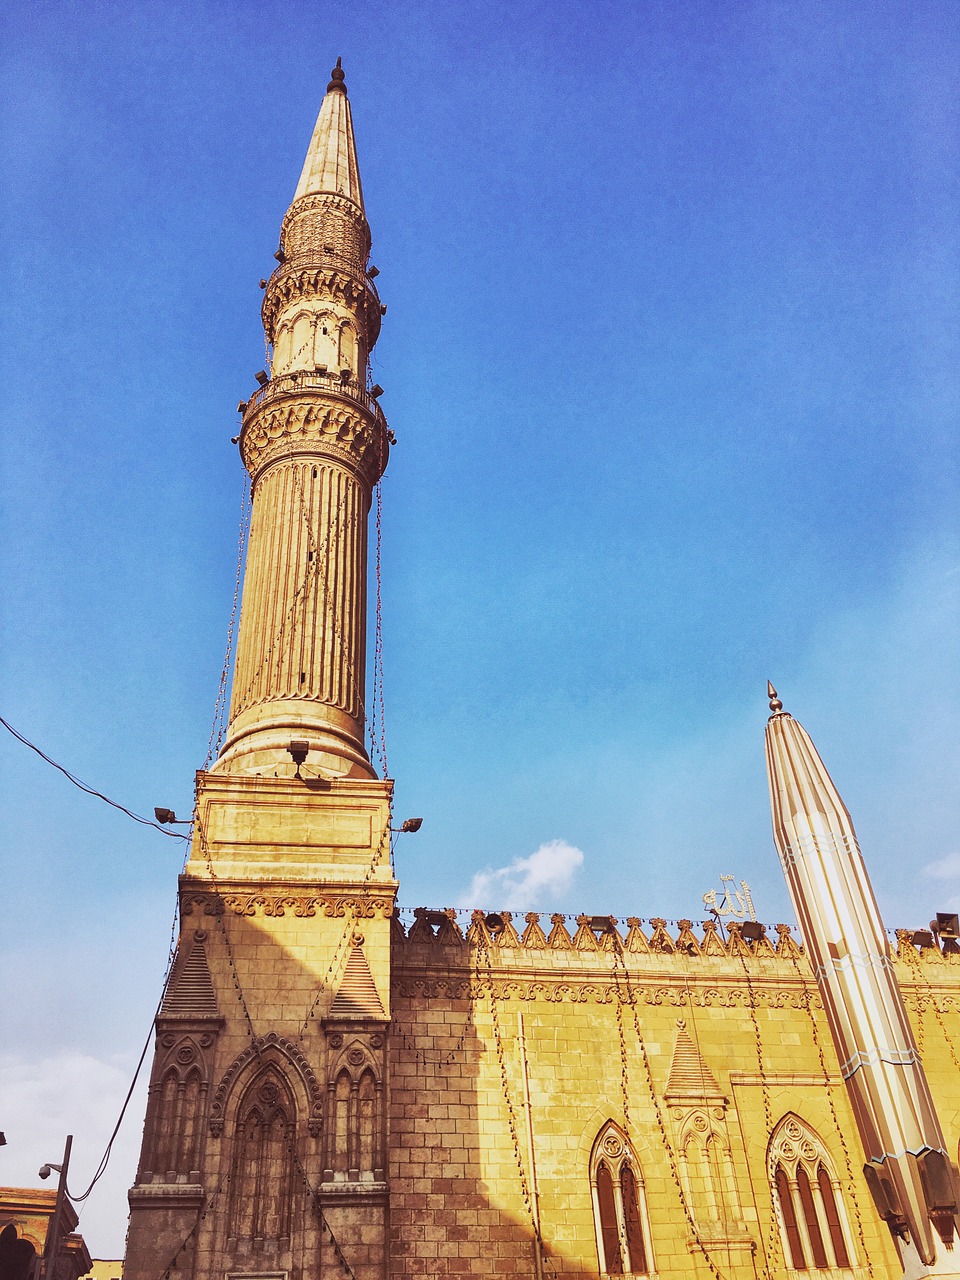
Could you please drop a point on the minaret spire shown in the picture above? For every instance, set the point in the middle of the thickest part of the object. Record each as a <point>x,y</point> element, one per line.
<point>315,443</point>
<point>331,165</point>
<point>907,1167</point>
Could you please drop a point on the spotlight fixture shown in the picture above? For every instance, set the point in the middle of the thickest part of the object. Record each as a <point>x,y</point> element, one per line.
<point>751,931</point>
<point>373,272</point>
<point>411,824</point>
<point>494,923</point>
<point>261,377</point>
<point>299,751</point>
<point>161,815</point>
<point>47,1169</point>
<point>376,391</point>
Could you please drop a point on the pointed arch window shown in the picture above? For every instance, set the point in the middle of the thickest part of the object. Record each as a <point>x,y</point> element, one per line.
<point>261,1176</point>
<point>619,1206</point>
<point>813,1223</point>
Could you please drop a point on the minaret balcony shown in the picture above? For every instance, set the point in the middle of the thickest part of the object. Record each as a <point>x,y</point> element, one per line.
<point>307,381</point>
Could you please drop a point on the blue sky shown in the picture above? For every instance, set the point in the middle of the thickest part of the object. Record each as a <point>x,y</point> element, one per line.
<point>672,356</point>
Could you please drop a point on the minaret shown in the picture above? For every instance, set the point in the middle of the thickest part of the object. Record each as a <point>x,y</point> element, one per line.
<point>315,443</point>
<point>265,1138</point>
<point>907,1169</point>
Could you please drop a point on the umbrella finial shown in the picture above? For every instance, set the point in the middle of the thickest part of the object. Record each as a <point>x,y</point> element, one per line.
<point>776,705</point>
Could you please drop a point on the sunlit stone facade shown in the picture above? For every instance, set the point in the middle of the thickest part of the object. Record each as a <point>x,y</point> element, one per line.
<point>339,1091</point>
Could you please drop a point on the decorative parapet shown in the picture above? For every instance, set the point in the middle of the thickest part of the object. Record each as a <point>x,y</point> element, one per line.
<point>423,927</point>
<point>497,931</point>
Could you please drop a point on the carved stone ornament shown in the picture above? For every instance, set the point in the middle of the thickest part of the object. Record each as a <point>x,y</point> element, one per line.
<point>348,434</point>
<point>367,907</point>
<point>356,1057</point>
<point>612,1146</point>
<point>186,1053</point>
<point>376,1041</point>
<point>336,1040</point>
<point>419,986</point>
<point>297,1060</point>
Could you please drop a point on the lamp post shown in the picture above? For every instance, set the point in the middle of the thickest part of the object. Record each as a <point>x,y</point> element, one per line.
<point>52,1246</point>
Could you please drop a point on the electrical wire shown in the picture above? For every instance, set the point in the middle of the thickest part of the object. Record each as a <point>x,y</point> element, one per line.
<point>105,1158</point>
<point>91,791</point>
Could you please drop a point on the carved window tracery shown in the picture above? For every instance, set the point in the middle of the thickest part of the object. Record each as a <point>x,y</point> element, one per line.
<point>354,1128</point>
<point>619,1206</point>
<point>814,1229</point>
<point>707,1172</point>
<point>261,1175</point>
<point>176,1110</point>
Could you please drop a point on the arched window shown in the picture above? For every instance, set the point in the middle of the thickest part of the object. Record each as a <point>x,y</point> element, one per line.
<point>18,1258</point>
<point>301,357</point>
<point>619,1208</point>
<point>812,1218</point>
<point>177,1126</point>
<point>367,1122</point>
<point>261,1177</point>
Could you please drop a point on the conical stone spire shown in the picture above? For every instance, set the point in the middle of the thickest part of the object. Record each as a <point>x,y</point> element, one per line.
<point>331,164</point>
<point>907,1166</point>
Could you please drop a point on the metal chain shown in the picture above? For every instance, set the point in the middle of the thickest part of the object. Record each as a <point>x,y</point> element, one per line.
<point>218,726</point>
<point>378,738</point>
<point>219,915</point>
<point>310,570</point>
<point>770,1248</point>
<point>172,1264</point>
<point>848,1162</point>
<point>352,919</point>
<point>617,952</point>
<point>484,951</point>
<point>314,1197</point>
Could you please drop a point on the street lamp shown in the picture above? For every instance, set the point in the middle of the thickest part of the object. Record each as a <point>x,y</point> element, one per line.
<point>52,1246</point>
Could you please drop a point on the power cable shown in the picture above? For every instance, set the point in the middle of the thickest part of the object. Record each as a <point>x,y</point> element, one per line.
<point>91,791</point>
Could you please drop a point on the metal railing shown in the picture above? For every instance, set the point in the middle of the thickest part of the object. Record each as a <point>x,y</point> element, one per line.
<point>291,384</point>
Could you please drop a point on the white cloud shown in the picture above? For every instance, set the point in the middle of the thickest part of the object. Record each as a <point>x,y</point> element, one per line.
<point>947,868</point>
<point>46,1098</point>
<point>547,873</point>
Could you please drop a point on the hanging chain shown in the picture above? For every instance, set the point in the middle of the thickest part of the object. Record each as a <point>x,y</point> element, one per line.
<point>352,918</point>
<point>617,952</point>
<point>770,1249</point>
<point>219,913</point>
<point>218,727</point>
<point>848,1162</point>
<point>314,1198</point>
<point>484,951</point>
<point>378,739</point>
<point>210,1202</point>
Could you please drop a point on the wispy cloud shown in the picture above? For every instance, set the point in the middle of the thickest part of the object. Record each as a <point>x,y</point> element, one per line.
<point>947,868</point>
<point>526,882</point>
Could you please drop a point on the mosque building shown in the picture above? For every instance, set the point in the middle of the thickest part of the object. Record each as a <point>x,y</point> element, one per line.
<point>334,1096</point>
